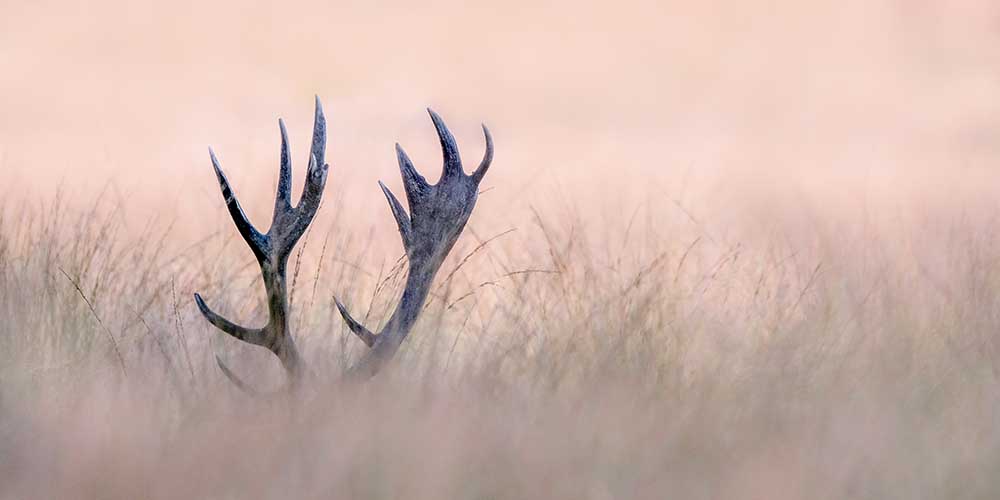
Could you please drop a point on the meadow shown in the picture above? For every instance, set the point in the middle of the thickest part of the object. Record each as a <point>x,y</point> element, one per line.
<point>733,250</point>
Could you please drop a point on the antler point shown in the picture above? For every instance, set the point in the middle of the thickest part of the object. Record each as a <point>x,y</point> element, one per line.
<point>199,301</point>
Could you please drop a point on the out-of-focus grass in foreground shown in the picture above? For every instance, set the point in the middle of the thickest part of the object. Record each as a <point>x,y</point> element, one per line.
<point>814,358</point>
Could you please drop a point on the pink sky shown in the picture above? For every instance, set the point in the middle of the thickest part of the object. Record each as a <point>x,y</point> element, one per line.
<point>582,97</point>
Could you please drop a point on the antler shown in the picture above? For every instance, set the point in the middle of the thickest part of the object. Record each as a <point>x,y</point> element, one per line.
<point>273,248</point>
<point>437,215</point>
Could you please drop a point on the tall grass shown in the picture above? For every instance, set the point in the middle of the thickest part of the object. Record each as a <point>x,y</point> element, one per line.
<point>808,353</point>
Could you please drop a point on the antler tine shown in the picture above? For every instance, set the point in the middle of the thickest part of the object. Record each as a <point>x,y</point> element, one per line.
<point>487,157</point>
<point>312,194</point>
<point>283,199</point>
<point>402,220</point>
<point>358,329</point>
<point>319,134</point>
<point>437,216</point>
<point>452,160</point>
<point>235,379</point>
<point>255,240</point>
<point>413,183</point>
<point>250,335</point>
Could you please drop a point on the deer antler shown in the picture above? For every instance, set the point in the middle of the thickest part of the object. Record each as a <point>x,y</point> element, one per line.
<point>273,248</point>
<point>437,215</point>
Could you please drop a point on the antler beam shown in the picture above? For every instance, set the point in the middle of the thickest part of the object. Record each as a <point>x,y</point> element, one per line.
<point>273,248</point>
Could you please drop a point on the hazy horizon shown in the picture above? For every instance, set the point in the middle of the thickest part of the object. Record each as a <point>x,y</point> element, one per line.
<point>740,97</point>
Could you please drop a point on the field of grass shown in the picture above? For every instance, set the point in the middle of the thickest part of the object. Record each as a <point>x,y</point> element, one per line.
<point>719,254</point>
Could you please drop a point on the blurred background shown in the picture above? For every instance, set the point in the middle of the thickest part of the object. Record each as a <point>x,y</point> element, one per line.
<point>594,103</point>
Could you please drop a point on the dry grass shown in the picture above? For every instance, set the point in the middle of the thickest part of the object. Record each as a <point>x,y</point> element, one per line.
<point>554,363</point>
<point>726,250</point>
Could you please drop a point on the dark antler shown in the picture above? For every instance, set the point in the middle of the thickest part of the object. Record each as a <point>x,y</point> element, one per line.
<point>438,214</point>
<point>273,248</point>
